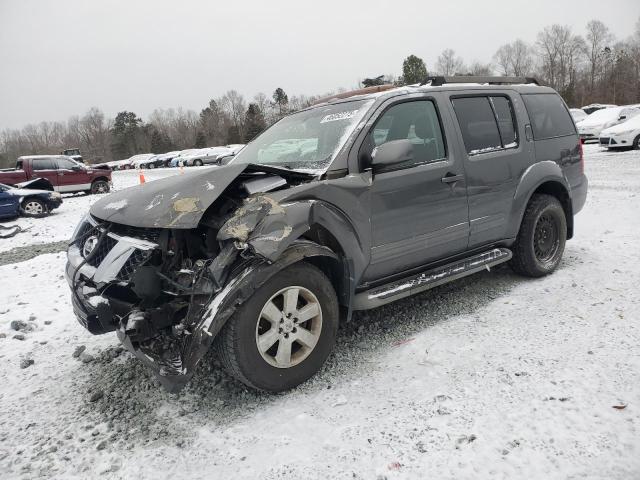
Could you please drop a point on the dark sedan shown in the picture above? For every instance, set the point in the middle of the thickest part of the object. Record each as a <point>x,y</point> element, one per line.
<point>28,202</point>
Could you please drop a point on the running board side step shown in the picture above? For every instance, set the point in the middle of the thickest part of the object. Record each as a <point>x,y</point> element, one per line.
<point>406,287</point>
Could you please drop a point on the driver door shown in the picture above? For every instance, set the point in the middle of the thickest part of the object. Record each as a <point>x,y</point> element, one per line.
<point>71,176</point>
<point>419,212</point>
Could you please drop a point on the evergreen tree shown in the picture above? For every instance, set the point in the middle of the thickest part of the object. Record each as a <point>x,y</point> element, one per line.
<point>281,99</point>
<point>156,142</point>
<point>211,121</point>
<point>124,132</point>
<point>201,140</point>
<point>413,70</point>
<point>233,134</point>
<point>254,122</point>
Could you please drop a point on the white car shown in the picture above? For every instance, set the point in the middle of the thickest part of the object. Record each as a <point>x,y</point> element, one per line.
<point>589,109</point>
<point>205,156</point>
<point>590,127</point>
<point>624,135</point>
<point>137,159</point>
<point>578,114</point>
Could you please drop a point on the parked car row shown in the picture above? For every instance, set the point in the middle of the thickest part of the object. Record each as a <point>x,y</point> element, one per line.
<point>611,125</point>
<point>193,157</point>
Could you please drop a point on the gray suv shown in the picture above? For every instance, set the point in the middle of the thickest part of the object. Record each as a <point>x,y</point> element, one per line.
<point>362,199</point>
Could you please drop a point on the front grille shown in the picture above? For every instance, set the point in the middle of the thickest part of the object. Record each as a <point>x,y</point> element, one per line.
<point>101,250</point>
<point>604,141</point>
<point>149,234</point>
<point>137,258</point>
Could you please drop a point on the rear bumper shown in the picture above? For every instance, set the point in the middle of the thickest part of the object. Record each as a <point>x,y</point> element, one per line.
<point>579,194</point>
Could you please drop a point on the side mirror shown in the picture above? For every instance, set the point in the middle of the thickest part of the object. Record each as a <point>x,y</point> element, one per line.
<point>622,117</point>
<point>77,168</point>
<point>392,153</point>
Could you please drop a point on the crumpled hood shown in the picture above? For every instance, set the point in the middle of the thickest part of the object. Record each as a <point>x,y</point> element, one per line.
<point>178,201</point>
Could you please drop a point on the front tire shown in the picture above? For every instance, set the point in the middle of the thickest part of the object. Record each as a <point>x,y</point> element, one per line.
<point>34,207</point>
<point>636,143</point>
<point>283,334</point>
<point>197,163</point>
<point>540,242</point>
<point>99,186</point>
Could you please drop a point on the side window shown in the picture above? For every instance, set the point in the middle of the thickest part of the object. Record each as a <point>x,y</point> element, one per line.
<point>506,121</point>
<point>43,164</point>
<point>65,164</point>
<point>477,124</point>
<point>548,115</point>
<point>416,121</point>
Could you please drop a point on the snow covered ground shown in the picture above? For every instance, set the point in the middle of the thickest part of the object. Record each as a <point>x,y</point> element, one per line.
<point>493,376</point>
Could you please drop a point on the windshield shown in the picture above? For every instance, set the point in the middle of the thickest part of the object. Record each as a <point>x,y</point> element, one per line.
<point>307,140</point>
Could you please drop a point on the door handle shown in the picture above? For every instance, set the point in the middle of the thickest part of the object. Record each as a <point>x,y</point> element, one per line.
<point>451,178</point>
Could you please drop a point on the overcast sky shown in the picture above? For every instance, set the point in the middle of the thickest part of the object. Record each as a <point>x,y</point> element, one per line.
<point>60,57</point>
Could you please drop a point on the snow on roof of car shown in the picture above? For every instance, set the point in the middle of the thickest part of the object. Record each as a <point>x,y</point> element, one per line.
<point>603,115</point>
<point>632,124</point>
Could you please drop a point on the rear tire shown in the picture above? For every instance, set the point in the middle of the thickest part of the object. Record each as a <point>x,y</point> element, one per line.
<point>296,311</point>
<point>636,143</point>
<point>99,186</point>
<point>541,240</point>
<point>197,163</point>
<point>34,207</point>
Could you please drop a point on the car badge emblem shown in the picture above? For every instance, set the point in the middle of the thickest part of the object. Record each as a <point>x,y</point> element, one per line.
<point>89,245</point>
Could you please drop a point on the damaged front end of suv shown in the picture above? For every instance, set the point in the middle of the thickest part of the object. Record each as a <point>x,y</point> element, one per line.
<point>200,245</point>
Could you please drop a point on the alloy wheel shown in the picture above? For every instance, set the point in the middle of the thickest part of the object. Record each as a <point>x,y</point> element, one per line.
<point>33,208</point>
<point>289,327</point>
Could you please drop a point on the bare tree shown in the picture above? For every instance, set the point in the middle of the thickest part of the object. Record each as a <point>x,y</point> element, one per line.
<point>560,53</point>
<point>448,63</point>
<point>598,39</point>
<point>515,58</point>
<point>481,69</point>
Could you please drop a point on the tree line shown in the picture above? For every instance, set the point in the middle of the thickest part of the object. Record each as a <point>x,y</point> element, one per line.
<point>594,67</point>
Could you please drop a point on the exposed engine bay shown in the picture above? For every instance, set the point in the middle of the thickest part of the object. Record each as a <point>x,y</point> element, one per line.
<point>165,290</point>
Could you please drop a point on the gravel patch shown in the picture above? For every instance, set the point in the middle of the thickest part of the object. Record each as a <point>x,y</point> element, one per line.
<point>27,252</point>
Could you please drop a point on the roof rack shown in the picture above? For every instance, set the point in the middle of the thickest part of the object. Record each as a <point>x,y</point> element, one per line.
<point>352,93</point>
<point>439,80</point>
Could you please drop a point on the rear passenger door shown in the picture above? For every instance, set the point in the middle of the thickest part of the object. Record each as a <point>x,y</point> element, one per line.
<point>495,157</point>
<point>419,208</point>
<point>45,168</point>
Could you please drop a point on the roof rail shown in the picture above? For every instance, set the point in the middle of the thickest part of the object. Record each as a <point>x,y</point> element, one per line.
<point>352,93</point>
<point>439,80</point>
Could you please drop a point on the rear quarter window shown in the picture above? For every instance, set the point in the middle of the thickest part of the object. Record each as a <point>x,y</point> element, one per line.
<point>548,115</point>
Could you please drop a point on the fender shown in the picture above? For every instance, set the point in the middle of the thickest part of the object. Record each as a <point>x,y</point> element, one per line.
<point>269,229</point>
<point>237,290</point>
<point>534,176</point>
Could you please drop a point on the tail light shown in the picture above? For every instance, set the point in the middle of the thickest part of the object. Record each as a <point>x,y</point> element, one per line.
<point>581,158</point>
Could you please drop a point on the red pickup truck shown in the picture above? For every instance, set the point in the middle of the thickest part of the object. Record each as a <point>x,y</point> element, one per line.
<point>63,174</point>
